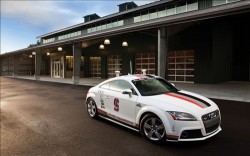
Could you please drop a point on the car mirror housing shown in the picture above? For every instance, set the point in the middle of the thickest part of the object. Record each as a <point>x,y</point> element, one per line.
<point>127,91</point>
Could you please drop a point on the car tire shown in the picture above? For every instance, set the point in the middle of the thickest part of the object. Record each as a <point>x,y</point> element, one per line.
<point>152,128</point>
<point>91,108</point>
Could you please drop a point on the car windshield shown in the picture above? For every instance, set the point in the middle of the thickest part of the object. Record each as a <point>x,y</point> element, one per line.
<point>152,86</point>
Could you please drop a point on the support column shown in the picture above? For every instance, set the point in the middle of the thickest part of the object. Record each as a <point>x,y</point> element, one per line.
<point>38,63</point>
<point>162,52</point>
<point>15,65</point>
<point>77,52</point>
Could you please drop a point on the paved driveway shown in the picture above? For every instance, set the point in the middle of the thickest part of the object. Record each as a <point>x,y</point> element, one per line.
<point>44,118</point>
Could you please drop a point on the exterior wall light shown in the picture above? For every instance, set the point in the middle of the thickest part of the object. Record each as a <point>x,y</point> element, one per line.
<point>33,53</point>
<point>30,56</point>
<point>106,41</point>
<point>101,46</point>
<point>59,48</point>
<point>48,54</point>
<point>124,44</point>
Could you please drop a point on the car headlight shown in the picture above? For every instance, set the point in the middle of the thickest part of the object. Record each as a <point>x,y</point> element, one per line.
<point>182,116</point>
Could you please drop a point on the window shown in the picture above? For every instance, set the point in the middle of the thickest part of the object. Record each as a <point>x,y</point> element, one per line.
<point>104,26</point>
<point>48,40</point>
<point>144,16</point>
<point>192,5</point>
<point>181,7</point>
<point>137,17</point>
<point>218,2</point>
<point>105,86</point>
<point>69,63</point>
<point>152,14</point>
<point>72,34</point>
<point>93,29</point>
<point>119,85</point>
<point>115,24</point>
<point>120,23</point>
<point>151,86</point>
<point>89,30</point>
<point>162,12</point>
<point>109,25</point>
<point>79,33</point>
<point>99,28</point>
<point>171,9</point>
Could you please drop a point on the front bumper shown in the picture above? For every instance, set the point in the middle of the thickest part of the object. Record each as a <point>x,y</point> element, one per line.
<point>204,137</point>
<point>194,130</point>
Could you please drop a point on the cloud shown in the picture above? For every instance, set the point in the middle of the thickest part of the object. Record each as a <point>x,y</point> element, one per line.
<point>57,14</point>
<point>24,20</point>
<point>38,13</point>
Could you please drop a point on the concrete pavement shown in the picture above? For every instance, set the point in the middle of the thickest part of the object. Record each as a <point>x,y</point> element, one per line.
<point>49,119</point>
<point>232,90</point>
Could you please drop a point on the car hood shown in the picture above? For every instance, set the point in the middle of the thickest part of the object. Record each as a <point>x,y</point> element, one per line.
<point>182,101</point>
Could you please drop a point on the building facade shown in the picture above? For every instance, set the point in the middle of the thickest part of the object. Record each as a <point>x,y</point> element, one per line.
<point>191,41</point>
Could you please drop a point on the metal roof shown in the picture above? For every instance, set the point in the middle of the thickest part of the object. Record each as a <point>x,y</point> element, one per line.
<point>107,17</point>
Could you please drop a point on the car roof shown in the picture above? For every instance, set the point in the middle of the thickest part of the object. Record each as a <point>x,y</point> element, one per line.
<point>131,77</point>
<point>128,77</point>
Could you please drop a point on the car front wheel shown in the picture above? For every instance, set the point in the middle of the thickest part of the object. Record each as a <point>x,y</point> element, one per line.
<point>152,128</point>
<point>91,108</point>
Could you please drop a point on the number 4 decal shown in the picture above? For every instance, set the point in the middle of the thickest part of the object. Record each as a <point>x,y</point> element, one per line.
<point>116,104</point>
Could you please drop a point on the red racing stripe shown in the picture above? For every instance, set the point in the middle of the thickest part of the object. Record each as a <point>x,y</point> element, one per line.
<point>185,99</point>
<point>140,76</point>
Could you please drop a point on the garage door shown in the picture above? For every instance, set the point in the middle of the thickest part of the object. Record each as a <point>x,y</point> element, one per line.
<point>181,66</point>
<point>114,63</point>
<point>95,67</point>
<point>145,61</point>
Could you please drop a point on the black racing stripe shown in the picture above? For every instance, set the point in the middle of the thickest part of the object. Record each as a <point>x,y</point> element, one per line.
<point>193,97</point>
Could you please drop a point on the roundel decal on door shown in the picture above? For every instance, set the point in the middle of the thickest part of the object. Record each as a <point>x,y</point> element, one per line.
<point>116,104</point>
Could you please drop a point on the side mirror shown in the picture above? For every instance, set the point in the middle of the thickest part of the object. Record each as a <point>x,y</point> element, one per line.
<point>127,91</point>
<point>172,84</point>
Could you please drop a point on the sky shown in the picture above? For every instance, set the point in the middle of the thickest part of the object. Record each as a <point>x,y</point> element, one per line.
<point>23,20</point>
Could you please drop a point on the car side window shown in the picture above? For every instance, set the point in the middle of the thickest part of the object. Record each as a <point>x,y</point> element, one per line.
<point>105,86</point>
<point>120,85</point>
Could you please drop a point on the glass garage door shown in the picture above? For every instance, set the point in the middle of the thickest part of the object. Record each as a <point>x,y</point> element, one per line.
<point>145,61</point>
<point>95,67</point>
<point>181,66</point>
<point>114,63</point>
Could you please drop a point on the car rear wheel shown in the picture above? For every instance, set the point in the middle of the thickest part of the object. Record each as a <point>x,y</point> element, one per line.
<point>152,128</point>
<point>91,108</point>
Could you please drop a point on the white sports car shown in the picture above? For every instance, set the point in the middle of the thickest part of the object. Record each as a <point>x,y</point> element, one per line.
<point>154,107</point>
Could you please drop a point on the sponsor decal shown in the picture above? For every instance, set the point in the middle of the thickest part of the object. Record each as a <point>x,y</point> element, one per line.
<point>116,104</point>
<point>102,101</point>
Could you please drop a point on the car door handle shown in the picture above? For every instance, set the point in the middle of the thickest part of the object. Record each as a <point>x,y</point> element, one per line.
<point>138,105</point>
<point>106,97</point>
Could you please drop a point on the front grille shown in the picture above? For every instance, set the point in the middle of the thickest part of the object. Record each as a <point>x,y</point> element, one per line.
<point>212,128</point>
<point>210,115</point>
<point>190,134</point>
<point>211,121</point>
